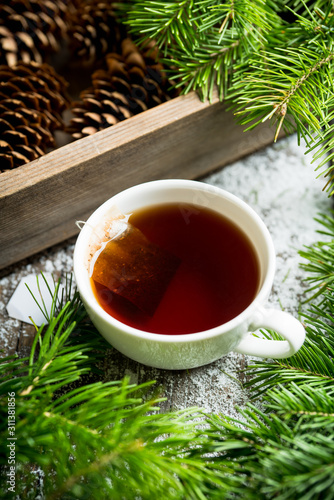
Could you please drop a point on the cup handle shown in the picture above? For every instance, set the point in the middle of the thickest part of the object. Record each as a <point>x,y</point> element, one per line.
<point>281,322</point>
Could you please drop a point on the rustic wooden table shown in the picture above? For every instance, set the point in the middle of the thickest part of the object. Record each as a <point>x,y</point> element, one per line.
<point>280,184</point>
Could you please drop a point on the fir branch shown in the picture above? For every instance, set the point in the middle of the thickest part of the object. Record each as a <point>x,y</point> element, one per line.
<point>199,53</point>
<point>320,257</point>
<point>165,22</point>
<point>101,438</point>
<point>290,83</point>
<point>287,85</point>
<point>204,70</point>
<point>240,17</point>
<point>274,60</point>
<point>278,458</point>
<point>313,409</point>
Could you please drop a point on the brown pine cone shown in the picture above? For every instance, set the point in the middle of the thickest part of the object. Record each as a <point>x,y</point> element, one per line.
<point>125,86</point>
<point>31,103</point>
<point>31,29</point>
<point>94,30</point>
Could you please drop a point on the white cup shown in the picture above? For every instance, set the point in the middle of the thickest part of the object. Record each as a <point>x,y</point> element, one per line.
<point>175,352</point>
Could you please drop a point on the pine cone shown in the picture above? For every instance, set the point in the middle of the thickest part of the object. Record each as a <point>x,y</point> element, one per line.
<point>94,30</point>
<point>125,86</point>
<point>31,29</point>
<point>31,103</point>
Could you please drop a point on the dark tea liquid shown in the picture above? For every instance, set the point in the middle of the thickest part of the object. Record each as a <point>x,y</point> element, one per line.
<point>218,275</point>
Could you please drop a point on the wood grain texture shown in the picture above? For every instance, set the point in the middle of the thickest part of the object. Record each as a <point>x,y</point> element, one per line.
<point>183,138</point>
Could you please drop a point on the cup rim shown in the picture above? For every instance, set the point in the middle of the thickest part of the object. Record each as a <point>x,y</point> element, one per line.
<point>88,295</point>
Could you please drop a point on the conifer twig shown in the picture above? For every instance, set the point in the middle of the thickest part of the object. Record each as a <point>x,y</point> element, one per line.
<point>271,60</point>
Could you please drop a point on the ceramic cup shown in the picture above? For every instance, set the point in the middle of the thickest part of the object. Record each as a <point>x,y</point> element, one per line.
<point>175,352</point>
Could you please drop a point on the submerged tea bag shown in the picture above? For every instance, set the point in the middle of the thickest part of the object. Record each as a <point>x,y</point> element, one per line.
<point>129,265</point>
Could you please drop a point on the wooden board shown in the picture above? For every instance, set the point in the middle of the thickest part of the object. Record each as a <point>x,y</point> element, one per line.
<point>182,138</point>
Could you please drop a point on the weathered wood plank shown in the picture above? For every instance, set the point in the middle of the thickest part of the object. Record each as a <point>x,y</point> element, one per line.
<point>183,138</point>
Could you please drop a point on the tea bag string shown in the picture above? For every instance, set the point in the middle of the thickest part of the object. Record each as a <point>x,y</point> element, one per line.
<point>80,224</point>
<point>120,223</point>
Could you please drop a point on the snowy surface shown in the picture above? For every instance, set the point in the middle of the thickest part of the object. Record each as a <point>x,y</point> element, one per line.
<point>280,184</point>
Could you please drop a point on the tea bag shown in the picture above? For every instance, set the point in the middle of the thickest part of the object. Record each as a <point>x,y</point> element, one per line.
<point>129,265</point>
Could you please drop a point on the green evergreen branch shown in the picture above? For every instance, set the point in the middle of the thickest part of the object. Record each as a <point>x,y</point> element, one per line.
<point>240,17</point>
<point>101,438</point>
<point>291,76</point>
<point>274,60</point>
<point>203,71</point>
<point>192,42</point>
<point>165,22</point>
<point>278,458</point>
<point>320,258</point>
<point>314,409</point>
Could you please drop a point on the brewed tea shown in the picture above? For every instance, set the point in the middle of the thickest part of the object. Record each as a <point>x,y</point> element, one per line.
<point>215,279</point>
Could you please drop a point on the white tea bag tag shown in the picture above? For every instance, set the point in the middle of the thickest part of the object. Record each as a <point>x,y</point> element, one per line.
<point>22,304</point>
